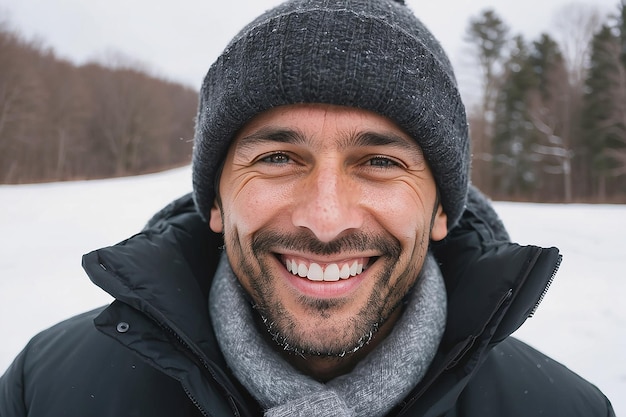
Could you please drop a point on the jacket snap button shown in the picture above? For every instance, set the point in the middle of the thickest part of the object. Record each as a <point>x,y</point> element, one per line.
<point>122,327</point>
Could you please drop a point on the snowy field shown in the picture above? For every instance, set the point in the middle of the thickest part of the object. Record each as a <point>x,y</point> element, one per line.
<point>45,229</point>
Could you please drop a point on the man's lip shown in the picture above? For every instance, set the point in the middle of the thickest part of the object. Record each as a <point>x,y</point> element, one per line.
<point>327,270</point>
<point>321,289</point>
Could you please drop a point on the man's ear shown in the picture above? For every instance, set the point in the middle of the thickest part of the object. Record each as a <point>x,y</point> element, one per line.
<point>439,229</point>
<point>216,222</point>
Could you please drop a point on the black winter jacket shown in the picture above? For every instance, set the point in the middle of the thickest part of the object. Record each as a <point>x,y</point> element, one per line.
<point>152,352</point>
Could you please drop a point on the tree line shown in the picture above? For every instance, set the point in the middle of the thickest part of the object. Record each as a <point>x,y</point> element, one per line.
<point>551,124</point>
<point>60,121</point>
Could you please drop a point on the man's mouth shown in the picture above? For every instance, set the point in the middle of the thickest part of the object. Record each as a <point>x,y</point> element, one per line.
<point>314,271</point>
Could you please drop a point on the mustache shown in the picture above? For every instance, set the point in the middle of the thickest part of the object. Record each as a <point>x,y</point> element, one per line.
<point>305,241</point>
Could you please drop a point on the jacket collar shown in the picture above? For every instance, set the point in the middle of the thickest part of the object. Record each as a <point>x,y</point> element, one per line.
<point>493,286</point>
<point>165,273</point>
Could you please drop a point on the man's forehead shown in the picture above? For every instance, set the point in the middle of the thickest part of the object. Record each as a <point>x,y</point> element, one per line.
<point>342,127</point>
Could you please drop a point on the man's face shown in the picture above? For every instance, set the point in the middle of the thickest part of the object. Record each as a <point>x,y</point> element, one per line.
<point>327,213</point>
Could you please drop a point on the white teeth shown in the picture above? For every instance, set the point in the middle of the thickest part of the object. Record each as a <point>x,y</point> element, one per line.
<point>332,272</point>
<point>353,268</point>
<point>345,272</point>
<point>315,273</point>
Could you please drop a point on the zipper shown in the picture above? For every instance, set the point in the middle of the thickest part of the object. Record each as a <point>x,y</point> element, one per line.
<point>507,296</point>
<point>206,366</point>
<point>194,400</point>
<point>547,286</point>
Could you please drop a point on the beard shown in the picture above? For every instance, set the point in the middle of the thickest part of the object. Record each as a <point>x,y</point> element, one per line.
<point>332,337</point>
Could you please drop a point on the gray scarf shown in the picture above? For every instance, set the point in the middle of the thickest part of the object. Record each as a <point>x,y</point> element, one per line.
<point>378,383</point>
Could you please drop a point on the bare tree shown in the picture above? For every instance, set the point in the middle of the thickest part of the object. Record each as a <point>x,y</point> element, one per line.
<point>59,121</point>
<point>556,146</point>
<point>575,24</point>
<point>488,35</point>
<point>20,101</point>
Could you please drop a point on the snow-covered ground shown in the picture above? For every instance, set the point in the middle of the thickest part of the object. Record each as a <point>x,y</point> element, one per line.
<point>45,229</point>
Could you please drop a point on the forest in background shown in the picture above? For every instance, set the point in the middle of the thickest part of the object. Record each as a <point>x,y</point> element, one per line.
<point>550,125</point>
<point>60,121</point>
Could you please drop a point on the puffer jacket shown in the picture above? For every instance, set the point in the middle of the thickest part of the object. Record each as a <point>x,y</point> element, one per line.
<point>152,352</point>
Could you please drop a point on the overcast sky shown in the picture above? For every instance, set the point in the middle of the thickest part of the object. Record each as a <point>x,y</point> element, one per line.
<point>179,39</point>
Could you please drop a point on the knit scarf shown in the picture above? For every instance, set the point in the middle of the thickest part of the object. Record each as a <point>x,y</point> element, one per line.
<point>377,383</point>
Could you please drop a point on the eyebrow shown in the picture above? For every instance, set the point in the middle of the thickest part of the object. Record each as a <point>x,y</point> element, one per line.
<point>349,140</point>
<point>271,134</point>
<point>375,139</point>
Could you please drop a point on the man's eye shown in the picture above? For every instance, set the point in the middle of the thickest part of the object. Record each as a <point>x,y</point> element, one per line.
<point>276,158</point>
<point>382,162</point>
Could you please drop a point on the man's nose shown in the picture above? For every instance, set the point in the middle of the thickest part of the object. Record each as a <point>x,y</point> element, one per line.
<point>327,204</point>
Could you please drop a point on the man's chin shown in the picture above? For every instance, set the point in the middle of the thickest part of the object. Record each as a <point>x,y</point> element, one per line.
<point>320,341</point>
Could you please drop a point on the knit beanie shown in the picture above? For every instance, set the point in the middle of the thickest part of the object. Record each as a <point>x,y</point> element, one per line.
<point>370,54</point>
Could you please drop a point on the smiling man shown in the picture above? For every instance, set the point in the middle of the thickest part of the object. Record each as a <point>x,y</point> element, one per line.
<point>332,259</point>
<point>345,206</point>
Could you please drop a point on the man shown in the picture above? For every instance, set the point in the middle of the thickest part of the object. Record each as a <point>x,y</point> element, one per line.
<point>332,259</point>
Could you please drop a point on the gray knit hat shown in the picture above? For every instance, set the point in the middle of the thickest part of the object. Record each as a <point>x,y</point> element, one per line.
<point>371,54</point>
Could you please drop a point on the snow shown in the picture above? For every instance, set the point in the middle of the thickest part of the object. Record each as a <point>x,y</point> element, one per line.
<point>45,229</point>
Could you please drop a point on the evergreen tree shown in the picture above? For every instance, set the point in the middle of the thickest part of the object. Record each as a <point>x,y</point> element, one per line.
<point>550,110</point>
<point>513,168</point>
<point>603,130</point>
<point>545,60</point>
<point>490,35</point>
<point>532,129</point>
